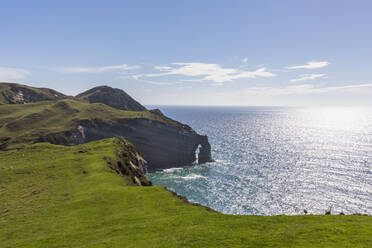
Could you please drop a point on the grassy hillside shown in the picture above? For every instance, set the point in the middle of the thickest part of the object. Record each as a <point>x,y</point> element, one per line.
<point>115,98</point>
<point>9,90</point>
<point>13,93</point>
<point>25,123</point>
<point>55,196</point>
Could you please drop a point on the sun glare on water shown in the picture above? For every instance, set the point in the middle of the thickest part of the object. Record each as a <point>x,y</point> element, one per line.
<point>281,161</point>
<point>336,118</point>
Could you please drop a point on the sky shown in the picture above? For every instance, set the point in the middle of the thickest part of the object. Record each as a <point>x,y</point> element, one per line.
<point>210,52</point>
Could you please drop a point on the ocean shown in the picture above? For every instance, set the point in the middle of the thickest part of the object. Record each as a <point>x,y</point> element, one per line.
<point>275,160</point>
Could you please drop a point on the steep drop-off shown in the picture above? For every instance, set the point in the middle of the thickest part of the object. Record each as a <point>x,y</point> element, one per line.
<point>56,196</point>
<point>162,145</point>
<point>163,142</point>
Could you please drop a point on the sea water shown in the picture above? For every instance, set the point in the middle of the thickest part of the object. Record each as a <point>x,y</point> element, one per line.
<point>272,160</point>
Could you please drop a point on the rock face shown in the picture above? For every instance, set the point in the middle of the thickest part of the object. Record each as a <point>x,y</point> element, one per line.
<point>162,146</point>
<point>164,143</point>
<point>129,162</point>
<point>205,155</point>
<point>115,98</point>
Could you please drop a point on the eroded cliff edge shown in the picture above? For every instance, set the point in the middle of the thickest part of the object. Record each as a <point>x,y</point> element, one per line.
<point>162,145</point>
<point>163,142</point>
<point>128,162</point>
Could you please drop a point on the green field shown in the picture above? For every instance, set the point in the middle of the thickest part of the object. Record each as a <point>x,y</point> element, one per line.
<point>56,196</point>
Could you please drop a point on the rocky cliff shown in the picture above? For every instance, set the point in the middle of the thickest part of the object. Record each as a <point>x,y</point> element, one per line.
<point>128,162</point>
<point>162,145</point>
<point>163,142</point>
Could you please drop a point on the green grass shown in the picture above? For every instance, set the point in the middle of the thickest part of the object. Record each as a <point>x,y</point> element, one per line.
<point>6,93</point>
<point>26,123</point>
<point>55,196</point>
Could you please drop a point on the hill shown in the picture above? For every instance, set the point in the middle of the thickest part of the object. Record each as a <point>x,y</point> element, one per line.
<point>11,93</point>
<point>115,98</point>
<point>57,196</point>
<point>162,141</point>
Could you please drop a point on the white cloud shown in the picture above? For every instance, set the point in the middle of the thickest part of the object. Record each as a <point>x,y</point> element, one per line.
<point>162,68</point>
<point>208,72</point>
<point>307,77</point>
<point>253,74</point>
<point>138,77</point>
<point>122,67</point>
<point>245,60</point>
<point>154,82</point>
<point>302,89</point>
<point>9,74</point>
<point>310,65</point>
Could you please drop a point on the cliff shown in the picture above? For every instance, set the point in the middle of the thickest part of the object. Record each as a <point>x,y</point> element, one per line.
<point>162,145</point>
<point>57,196</point>
<point>163,142</point>
<point>128,162</point>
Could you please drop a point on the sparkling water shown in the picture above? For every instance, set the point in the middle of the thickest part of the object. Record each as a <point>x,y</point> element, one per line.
<point>272,161</point>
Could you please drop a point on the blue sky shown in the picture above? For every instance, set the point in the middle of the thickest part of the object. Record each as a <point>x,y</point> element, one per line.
<point>290,53</point>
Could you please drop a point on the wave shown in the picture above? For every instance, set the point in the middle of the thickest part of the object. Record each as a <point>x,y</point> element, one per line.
<point>193,176</point>
<point>172,169</point>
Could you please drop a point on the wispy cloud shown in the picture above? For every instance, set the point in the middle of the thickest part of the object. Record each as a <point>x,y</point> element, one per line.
<point>302,89</point>
<point>307,77</point>
<point>162,68</point>
<point>138,77</point>
<point>208,72</point>
<point>245,60</point>
<point>154,82</point>
<point>310,65</point>
<point>9,74</point>
<point>123,67</point>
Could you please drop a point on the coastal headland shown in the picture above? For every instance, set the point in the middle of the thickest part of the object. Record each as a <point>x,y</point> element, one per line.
<point>73,174</point>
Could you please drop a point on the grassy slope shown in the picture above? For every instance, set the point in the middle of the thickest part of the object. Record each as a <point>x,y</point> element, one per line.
<point>54,196</point>
<point>5,89</point>
<point>27,122</point>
